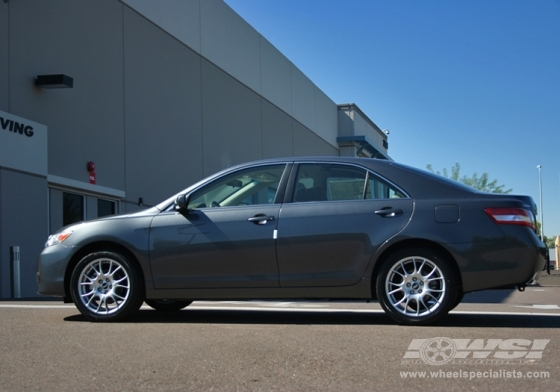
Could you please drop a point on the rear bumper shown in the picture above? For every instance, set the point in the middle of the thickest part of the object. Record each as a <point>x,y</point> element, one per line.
<point>508,263</point>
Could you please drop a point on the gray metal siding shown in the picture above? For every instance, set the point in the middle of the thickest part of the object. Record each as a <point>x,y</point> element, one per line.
<point>4,51</point>
<point>83,40</point>
<point>222,37</point>
<point>307,142</point>
<point>231,120</point>
<point>163,118</point>
<point>23,208</point>
<point>278,139</point>
<point>56,209</point>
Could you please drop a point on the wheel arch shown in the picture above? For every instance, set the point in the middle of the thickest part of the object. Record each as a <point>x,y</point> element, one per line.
<point>93,247</point>
<point>414,243</point>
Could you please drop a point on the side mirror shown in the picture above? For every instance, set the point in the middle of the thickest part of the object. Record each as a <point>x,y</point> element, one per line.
<point>182,202</point>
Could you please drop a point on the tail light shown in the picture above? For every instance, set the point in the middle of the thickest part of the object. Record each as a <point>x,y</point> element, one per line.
<point>512,216</point>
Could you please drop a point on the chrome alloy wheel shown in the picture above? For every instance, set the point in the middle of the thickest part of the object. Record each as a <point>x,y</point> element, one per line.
<point>103,286</point>
<point>415,286</point>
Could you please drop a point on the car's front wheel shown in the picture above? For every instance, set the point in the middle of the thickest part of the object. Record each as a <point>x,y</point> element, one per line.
<point>106,286</point>
<point>167,305</point>
<point>417,286</point>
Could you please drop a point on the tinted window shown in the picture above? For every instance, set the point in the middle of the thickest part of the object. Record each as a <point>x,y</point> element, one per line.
<point>379,189</point>
<point>331,182</point>
<point>246,187</point>
<point>105,207</point>
<point>72,208</point>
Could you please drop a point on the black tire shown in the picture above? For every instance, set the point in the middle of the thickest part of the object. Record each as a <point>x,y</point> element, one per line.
<point>106,286</point>
<point>167,305</point>
<point>417,286</point>
<point>459,298</point>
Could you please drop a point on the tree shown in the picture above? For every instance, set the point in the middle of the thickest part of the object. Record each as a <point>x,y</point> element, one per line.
<point>549,241</point>
<point>481,183</point>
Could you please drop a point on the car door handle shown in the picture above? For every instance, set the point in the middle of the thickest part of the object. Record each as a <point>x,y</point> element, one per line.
<point>261,219</point>
<point>389,212</point>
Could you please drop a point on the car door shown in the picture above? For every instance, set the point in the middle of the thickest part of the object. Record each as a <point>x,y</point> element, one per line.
<point>225,237</point>
<point>339,215</point>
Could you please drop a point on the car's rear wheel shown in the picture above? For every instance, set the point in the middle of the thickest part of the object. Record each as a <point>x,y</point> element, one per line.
<point>417,286</point>
<point>167,305</point>
<point>106,286</point>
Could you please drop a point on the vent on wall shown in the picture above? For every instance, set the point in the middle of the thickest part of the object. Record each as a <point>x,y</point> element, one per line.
<point>54,81</point>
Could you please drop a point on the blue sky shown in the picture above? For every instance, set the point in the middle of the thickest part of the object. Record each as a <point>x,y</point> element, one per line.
<point>473,81</point>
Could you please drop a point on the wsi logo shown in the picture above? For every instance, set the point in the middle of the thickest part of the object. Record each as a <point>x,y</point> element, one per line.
<point>439,351</point>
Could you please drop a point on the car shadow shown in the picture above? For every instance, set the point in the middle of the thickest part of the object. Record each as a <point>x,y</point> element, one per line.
<point>256,316</point>
<point>287,317</point>
<point>488,296</point>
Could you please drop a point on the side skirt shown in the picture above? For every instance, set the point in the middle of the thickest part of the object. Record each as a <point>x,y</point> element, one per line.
<point>361,290</point>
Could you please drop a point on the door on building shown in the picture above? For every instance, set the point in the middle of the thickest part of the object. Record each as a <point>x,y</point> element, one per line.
<point>68,206</point>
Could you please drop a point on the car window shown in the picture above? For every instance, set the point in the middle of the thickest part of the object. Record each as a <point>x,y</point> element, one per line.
<point>333,182</point>
<point>379,189</point>
<point>253,186</point>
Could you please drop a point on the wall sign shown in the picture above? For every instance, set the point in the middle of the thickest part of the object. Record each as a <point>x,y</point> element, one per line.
<point>23,144</point>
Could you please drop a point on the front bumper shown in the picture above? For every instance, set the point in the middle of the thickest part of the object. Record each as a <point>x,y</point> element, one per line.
<point>51,270</point>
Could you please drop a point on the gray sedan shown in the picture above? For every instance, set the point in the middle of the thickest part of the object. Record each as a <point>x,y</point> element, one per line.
<point>300,228</point>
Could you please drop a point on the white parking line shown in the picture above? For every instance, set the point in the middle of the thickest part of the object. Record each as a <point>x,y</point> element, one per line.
<point>548,307</point>
<point>505,313</point>
<point>286,309</point>
<point>289,309</point>
<point>23,306</point>
<point>330,310</point>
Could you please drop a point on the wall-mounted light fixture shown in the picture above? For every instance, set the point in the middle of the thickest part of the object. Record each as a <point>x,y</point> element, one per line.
<point>54,81</point>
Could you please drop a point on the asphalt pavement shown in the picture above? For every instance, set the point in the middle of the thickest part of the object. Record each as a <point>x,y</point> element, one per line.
<point>494,340</point>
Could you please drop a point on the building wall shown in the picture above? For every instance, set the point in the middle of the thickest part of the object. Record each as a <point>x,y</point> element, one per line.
<point>164,94</point>
<point>23,223</point>
<point>142,97</point>
<point>355,124</point>
<point>231,117</point>
<point>230,43</point>
<point>163,111</point>
<point>4,65</point>
<point>84,40</point>
<point>309,143</point>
